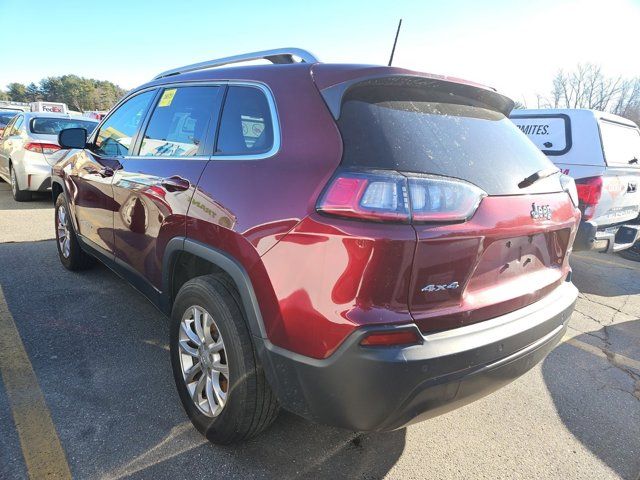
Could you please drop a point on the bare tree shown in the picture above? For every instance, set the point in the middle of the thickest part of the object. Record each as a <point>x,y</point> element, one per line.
<point>588,87</point>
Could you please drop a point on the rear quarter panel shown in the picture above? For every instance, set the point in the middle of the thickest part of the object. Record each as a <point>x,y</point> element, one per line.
<point>245,207</point>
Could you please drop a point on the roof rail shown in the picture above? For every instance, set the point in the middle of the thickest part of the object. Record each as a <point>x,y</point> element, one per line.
<point>278,55</point>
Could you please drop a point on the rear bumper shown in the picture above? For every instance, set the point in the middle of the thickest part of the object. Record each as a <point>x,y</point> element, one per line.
<point>373,389</point>
<point>606,239</point>
<point>34,173</point>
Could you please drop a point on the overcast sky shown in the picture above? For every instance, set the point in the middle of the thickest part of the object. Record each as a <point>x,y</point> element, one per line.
<point>515,46</point>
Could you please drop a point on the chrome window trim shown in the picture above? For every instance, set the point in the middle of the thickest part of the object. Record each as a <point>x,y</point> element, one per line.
<point>275,119</point>
<point>123,100</point>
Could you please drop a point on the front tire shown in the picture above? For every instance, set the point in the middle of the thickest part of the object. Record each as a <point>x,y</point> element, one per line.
<point>18,194</point>
<point>220,382</point>
<point>71,255</point>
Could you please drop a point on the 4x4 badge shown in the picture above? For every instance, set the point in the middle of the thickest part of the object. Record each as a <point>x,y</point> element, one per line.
<point>440,288</point>
<point>538,212</point>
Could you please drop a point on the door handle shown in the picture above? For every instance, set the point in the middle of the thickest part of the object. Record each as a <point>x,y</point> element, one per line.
<point>175,184</point>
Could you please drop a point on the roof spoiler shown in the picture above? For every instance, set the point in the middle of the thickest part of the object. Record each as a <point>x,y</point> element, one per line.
<point>334,94</point>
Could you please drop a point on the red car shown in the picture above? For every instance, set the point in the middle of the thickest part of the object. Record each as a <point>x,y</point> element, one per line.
<point>365,246</point>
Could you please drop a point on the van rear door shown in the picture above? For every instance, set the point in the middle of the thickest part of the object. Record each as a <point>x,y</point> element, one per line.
<point>620,197</point>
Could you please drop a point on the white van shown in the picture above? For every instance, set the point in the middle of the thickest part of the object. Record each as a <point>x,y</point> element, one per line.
<point>601,152</point>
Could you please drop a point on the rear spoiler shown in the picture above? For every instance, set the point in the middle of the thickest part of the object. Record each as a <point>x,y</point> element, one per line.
<point>479,96</point>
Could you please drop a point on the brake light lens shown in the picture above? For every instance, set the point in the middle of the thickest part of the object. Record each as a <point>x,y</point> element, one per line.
<point>40,147</point>
<point>589,193</point>
<point>392,338</point>
<point>390,196</point>
<point>435,199</point>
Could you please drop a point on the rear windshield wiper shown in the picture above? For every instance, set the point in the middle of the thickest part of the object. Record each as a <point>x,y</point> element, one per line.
<point>634,160</point>
<point>531,179</point>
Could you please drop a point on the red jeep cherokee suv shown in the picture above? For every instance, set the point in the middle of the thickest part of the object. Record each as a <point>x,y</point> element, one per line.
<point>364,246</point>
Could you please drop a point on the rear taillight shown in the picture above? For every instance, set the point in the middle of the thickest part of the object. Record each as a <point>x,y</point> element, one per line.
<point>391,196</point>
<point>589,193</point>
<point>40,147</point>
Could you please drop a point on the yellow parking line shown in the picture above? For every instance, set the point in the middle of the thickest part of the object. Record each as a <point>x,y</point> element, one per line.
<point>43,454</point>
<point>615,357</point>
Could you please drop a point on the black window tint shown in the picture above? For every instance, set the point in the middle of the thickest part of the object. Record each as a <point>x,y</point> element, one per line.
<point>246,127</point>
<point>180,121</point>
<point>5,118</point>
<point>115,135</point>
<point>428,130</point>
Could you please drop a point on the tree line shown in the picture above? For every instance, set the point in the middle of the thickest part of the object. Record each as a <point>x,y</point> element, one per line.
<point>77,92</point>
<point>587,86</point>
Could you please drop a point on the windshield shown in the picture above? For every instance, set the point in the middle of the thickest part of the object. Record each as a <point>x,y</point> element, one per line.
<point>52,125</point>
<point>5,118</point>
<point>621,143</point>
<point>431,130</point>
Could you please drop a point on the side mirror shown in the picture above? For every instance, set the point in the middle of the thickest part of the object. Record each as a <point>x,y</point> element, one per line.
<point>73,138</point>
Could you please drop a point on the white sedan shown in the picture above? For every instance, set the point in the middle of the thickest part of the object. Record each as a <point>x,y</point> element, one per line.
<point>27,150</point>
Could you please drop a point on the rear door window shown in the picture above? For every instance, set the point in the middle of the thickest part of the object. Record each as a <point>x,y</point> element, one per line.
<point>15,130</point>
<point>246,126</point>
<point>5,118</point>
<point>550,133</point>
<point>9,128</point>
<point>434,131</point>
<point>621,143</point>
<point>116,133</point>
<point>180,122</point>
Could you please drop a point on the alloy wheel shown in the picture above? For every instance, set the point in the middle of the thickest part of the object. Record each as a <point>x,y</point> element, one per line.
<point>203,361</point>
<point>62,229</point>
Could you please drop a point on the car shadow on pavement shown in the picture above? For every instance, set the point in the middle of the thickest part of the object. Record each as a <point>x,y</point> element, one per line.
<point>100,354</point>
<point>39,200</point>
<point>591,270</point>
<point>596,393</point>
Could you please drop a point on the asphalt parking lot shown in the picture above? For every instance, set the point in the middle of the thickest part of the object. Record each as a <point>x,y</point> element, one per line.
<point>96,381</point>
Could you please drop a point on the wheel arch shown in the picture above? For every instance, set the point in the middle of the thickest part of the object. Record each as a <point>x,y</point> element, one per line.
<point>185,259</point>
<point>56,190</point>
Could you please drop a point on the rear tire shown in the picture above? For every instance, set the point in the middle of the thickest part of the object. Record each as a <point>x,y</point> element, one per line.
<point>71,254</point>
<point>18,194</point>
<point>241,403</point>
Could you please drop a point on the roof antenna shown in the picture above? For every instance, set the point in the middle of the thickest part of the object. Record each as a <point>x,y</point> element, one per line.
<point>393,50</point>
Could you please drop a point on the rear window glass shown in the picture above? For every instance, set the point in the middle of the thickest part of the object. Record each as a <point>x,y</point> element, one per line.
<point>5,118</point>
<point>621,143</point>
<point>430,130</point>
<point>52,126</point>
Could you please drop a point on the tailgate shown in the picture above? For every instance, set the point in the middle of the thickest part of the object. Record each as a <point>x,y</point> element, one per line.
<point>501,260</point>
<point>620,199</point>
